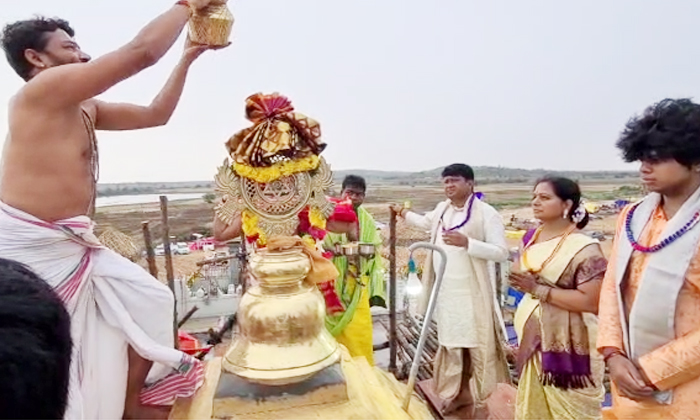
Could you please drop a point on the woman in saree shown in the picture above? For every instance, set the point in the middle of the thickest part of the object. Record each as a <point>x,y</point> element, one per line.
<point>560,270</point>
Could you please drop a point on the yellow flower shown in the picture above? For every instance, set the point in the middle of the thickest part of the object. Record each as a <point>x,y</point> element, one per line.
<point>278,170</point>
<point>249,223</point>
<point>309,241</point>
<point>316,219</point>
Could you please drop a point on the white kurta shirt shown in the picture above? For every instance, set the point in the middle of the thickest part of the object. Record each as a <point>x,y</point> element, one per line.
<point>456,310</point>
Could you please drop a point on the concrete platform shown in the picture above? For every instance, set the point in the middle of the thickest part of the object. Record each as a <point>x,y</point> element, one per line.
<point>236,395</point>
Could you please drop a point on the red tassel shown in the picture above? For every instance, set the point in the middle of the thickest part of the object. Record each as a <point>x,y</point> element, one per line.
<point>333,303</point>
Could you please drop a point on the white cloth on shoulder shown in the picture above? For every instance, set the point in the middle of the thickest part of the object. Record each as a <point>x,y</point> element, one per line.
<point>113,303</point>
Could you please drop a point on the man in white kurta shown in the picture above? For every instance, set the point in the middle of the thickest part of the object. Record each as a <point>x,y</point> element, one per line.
<point>471,361</point>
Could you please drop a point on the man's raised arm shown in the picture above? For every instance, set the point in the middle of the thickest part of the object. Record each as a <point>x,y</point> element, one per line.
<point>74,83</point>
<point>121,116</point>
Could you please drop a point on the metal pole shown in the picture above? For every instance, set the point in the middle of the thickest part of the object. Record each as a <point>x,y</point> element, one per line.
<point>169,260</point>
<point>427,320</point>
<point>150,253</point>
<point>392,293</point>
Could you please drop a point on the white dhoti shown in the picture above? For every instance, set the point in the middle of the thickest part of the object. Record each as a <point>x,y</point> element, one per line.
<point>466,310</point>
<point>113,303</point>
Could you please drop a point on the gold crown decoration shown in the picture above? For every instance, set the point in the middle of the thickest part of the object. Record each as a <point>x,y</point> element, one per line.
<point>212,27</point>
<point>273,206</point>
<point>275,173</point>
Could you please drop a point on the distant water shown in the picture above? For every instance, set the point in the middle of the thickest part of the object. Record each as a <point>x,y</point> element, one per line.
<point>121,200</point>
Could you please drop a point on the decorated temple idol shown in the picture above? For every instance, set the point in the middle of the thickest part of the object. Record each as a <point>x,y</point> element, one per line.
<point>283,362</point>
<point>275,185</point>
<point>273,153</point>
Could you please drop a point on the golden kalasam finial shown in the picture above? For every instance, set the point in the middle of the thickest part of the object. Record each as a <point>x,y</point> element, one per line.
<point>276,173</point>
<point>283,360</point>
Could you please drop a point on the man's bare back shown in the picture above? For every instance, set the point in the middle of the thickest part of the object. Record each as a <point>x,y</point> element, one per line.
<point>48,167</point>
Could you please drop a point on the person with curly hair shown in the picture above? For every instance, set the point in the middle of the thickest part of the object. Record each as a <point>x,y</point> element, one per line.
<point>650,298</point>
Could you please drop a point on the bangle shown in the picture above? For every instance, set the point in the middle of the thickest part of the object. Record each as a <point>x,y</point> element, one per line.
<point>613,354</point>
<point>542,293</point>
<point>184,3</point>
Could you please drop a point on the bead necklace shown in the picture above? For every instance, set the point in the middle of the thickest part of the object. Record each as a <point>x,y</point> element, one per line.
<point>464,222</point>
<point>551,256</point>
<point>665,242</point>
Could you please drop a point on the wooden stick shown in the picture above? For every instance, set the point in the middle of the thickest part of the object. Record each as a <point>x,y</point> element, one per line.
<point>411,348</point>
<point>431,342</point>
<point>169,260</point>
<point>392,292</point>
<point>215,260</point>
<point>243,263</point>
<point>150,253</point>
<point>187,316</point>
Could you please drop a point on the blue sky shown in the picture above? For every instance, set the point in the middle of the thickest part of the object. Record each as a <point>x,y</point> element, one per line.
<point>401,84</point>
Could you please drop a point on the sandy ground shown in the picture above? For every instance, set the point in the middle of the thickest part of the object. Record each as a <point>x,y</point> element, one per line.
<point>195,216</point>
<point>186,265</point>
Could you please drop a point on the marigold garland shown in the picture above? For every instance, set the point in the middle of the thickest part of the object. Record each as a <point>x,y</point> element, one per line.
<point>250,227</point>
<point>278,170</point>
<point>316,218</point>
<point>312,226</point>
<point>307,239</point>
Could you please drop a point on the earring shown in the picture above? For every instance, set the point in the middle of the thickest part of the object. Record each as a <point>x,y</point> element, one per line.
<point>565,215</point>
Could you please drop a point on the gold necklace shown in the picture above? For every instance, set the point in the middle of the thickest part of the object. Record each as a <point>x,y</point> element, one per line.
<point>551,256</point>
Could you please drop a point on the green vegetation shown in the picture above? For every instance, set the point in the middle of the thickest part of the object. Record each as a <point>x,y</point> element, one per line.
<point>209,198</point>
<point>484,175</point>
<point>140,188</point>
<point>624,191</point>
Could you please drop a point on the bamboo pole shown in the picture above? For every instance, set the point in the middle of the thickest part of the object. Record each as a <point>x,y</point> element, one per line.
<point>392,292</point>
<point>169,260</point>
<point>243,265</point>
<point>187,316</point>
<point>150,253</point>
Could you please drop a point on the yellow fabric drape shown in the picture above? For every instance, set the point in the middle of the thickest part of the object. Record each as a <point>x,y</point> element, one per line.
<point>357,335</point>
<point>372,395</point>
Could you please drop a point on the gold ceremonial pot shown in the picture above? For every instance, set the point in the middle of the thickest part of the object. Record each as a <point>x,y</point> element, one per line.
<point>283,338</point>
<point>212,27</point>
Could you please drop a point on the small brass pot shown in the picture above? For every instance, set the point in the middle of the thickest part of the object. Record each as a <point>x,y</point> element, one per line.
<point>367,250</point>
<point>351,250</point>
<point>213,27</point>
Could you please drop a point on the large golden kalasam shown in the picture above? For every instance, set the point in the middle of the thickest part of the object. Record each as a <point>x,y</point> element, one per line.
<point>283,338</point>
<point>213,27</point>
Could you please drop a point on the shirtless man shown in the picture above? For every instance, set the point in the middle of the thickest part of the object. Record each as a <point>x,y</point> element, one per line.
<point>48,181</point>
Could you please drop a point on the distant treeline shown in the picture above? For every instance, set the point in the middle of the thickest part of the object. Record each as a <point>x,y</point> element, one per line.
<point>484,175</point>
<point>107,190</point>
